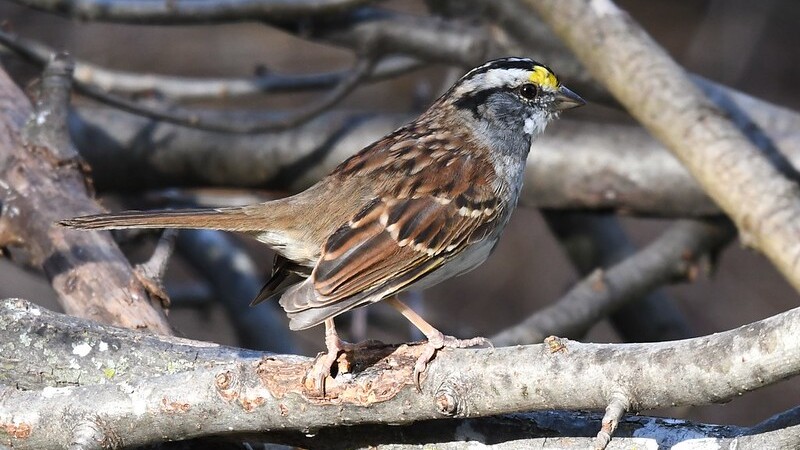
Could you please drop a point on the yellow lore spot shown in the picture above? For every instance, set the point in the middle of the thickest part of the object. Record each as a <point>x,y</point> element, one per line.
<point>543,77</point>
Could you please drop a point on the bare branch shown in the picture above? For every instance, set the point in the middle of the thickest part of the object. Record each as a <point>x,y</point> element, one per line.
<point>592,241</point>
<point>219,121</point>
<point>669,257</point>
<point>616,408</point>
<point>43,181</point>
<point>147,12</point>
<point>262,393</point>
<point>765,206</point>
<point>151,273</point>
<point>188,88</point>
<point>575,165</point>
<point>540,430</point>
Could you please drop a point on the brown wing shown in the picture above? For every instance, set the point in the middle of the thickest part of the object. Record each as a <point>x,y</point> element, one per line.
<point>399,238</point>
<point>396,237</point>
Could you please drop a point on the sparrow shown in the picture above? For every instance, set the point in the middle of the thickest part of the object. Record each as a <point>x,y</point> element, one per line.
<point>425,203</point>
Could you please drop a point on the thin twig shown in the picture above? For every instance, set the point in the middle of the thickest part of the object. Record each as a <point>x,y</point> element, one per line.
<point>148,12</point>
<point>151,272</point>
<point>594,241</point>
<point>195,119</point>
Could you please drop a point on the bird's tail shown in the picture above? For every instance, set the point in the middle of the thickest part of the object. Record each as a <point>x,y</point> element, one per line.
<point>227,219</point>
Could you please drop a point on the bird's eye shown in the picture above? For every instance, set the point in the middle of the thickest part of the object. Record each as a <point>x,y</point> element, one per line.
<point>528,91</point>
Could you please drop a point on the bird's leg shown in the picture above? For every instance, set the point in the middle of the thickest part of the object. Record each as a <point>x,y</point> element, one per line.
<point>436,339</point>
<point>325,361</point>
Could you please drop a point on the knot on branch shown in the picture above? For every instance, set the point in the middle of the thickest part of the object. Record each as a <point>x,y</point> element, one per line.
<point>450,398</point>
<point>90,434</point>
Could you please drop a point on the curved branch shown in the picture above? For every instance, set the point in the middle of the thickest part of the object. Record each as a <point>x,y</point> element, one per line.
<point>765,205</point>
<point>385,32</point>
<point>257,392</point>
<point>219,121</point>
<point>148,12</point>
<point>195,119</point>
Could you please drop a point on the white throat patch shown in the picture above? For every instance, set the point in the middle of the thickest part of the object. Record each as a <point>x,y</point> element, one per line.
<point>534,125</point>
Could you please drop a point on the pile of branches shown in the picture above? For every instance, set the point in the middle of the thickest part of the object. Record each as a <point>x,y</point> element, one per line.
<point>110,374</point>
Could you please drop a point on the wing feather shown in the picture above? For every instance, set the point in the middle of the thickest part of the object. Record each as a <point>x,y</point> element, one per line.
<point>404,235</point>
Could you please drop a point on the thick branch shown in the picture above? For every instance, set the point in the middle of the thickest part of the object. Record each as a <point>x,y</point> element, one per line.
<point>191,397</point>
<point>575,165</point>
<point>148,12</point>
<point>764,205</point>
<point>42,180</point>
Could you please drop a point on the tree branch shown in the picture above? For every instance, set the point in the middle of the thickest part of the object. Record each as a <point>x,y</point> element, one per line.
<point>147,12</point>
<point>575,165</point>
<point>236,282</point>
<point>598,241</point>
<point>385,32</point>
<point>765,206</point>
<point>256,392</point>
<point>669,257</point>
<point>42,180</point>
<point>188,88</point>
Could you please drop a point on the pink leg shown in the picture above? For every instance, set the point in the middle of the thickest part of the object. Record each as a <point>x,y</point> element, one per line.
<point>325,361</point>
<point>436,339</point>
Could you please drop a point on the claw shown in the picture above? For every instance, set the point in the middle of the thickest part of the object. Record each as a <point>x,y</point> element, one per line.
<point>437,342</point>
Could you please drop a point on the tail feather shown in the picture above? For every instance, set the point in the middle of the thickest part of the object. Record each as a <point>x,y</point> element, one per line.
<point>228,219</point>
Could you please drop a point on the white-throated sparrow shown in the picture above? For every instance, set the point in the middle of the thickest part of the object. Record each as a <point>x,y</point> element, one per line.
<point>425,203</point>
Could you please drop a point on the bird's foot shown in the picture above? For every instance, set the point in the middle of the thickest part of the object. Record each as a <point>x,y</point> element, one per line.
<point>438,341</point>
<point>323,365</point>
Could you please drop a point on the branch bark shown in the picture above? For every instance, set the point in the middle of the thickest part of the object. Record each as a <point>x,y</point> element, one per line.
<point>42,180</point>
<point>189,88</point>
<point>212,390</point>
<point>764,204</point>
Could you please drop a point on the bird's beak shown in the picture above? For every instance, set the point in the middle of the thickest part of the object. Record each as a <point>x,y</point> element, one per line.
<point>566,99</point>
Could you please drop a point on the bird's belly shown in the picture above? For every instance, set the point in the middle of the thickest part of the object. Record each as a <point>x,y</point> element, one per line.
<point>471,258</point>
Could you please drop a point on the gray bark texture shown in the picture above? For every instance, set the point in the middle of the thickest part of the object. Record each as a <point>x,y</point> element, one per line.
<point>43,180</point>
<point>74,377</point>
